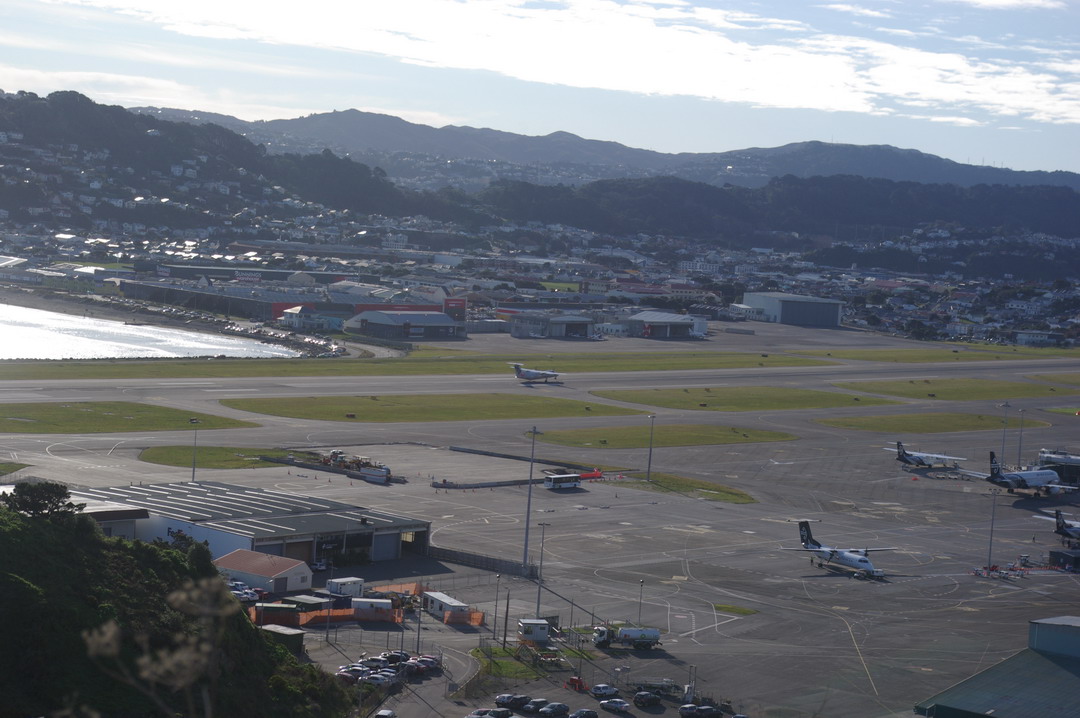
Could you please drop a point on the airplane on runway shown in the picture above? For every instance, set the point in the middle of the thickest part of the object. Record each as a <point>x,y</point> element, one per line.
<point>1065,528</point>
<point>530,375</point>
<point>922,459</point>
<point>858,559</point>
<point>1039,479</point>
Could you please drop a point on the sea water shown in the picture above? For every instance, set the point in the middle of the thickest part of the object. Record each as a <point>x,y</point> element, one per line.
<point>35,334</point>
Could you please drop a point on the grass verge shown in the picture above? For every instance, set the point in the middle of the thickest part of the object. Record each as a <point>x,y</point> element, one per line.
<point>745,398</point>
<point>930,423</point>
<point>7,467</point>
<point>498,661</point>
<point>956,389</point>
<point>636,437</point>
<point>939,354</point>
<point>103,417</point>
<point>214,457</point>
<point>734,610</point>
<point>424,407</point>
<point>686,486</point>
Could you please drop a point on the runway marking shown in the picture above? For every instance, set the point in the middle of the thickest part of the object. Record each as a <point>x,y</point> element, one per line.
<point>237,390</point>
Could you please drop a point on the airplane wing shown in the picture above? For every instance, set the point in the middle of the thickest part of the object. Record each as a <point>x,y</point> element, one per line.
<point>868,550</point>
<point>974,474</point>
<point>924,455</point>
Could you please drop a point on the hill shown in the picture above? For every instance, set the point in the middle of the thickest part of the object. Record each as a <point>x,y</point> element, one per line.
<point>164,630</point>
<point>378,137</point>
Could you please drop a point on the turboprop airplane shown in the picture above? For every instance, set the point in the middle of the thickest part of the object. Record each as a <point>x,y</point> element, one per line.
<point>858,559</point>
<point>919,458</point>
<point>1065,528</point>
<point>528,375</point>
<point>1039,479</point>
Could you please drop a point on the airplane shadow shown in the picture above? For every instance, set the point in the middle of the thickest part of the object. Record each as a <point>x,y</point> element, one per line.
<point>541,383</point>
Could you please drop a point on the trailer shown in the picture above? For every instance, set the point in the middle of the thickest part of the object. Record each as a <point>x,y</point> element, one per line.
<point>640,638</point>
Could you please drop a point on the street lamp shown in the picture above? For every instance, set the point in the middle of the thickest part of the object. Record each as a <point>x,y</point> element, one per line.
<point>993,510</point>
<point>540,571</point>
<point>641,592</point>
<point>1004,426</point>
<point>528,502</point>
<point>1020,442</point>
<point>648,467</point>
<point>495,618</point>
<point>194,445</point>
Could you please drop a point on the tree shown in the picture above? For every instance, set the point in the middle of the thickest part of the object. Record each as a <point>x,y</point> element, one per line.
<point>46,499</point>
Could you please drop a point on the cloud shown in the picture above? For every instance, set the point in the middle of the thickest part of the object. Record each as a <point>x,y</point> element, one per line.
<point>637,46</point>
<point>1014,4</point>
<point>856,10</point>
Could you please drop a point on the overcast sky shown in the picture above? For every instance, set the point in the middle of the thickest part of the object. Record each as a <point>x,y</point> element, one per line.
<point>994,82</point>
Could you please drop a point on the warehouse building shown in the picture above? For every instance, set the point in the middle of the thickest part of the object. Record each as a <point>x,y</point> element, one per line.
<point>795,309</point>
<point>1039,681</point>
<point>405,325</point>
<point>231,517</point>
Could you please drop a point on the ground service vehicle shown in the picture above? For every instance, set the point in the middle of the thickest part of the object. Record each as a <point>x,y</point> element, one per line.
<point>641,638</point>
<point>603,690</point>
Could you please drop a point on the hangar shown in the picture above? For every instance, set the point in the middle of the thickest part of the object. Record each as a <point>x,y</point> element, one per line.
<point>795,309</point>
<point>230,517</point>
<point>405,325</point>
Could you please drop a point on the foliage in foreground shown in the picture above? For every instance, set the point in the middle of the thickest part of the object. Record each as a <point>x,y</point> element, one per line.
<point>95,626</point>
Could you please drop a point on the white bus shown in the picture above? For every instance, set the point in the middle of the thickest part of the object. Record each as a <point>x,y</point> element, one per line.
<point>562,481</point>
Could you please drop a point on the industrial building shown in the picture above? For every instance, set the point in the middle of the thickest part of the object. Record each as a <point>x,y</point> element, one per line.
<point>1041,680</point>
<point>794,309</point>
<point>232,517</point>
<point>405,325</point>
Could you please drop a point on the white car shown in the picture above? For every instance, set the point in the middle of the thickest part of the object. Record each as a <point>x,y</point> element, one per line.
<point>603,690</point>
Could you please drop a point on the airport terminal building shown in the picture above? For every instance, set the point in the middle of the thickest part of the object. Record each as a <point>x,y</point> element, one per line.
<point>230,517</point>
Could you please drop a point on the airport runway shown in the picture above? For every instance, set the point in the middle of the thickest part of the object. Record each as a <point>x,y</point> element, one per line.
<point>817,642</point>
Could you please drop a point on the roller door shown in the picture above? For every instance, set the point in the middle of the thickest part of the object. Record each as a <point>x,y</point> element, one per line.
<point>385,547</point>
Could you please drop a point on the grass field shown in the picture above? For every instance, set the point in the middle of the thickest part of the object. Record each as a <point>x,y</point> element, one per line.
<point>931,423</point>
<point>439,362</point>
<point>212,457</point>
<point>935,354</point>
<point>956,389</point>
<point>685,486</point>
<point>1070,410</point>
<point>749,398</point>
<point>424,407</point>
<point>637,437</point>
<point>1073,378</point>
<point>104,417</point>
<point>7,467</point>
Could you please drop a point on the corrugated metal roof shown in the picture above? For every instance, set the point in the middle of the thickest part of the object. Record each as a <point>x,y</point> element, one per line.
<point>258,563</point>
<point>1030,684</point>
<point>662,318</point>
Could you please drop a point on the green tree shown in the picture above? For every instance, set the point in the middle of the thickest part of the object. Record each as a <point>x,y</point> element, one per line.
<point>44,498</point>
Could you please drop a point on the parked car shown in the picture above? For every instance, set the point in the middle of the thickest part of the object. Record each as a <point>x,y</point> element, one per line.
<point>319,565</point>
<point>643,699</point>
<point>711,711</point>
<point>500,713</point>
<point>534,705</point>
<point>262,593</point>
<point>347,677</point>
<point>377,680</point>
<point>554,709</point>
<point>688,709</point>
<point>603,690</point>
<point>398,655</point>
<point>480,713</point>
<point>512,700</point>
<point>583,713</point>
<point>615,705</point>
<point>430,663</point>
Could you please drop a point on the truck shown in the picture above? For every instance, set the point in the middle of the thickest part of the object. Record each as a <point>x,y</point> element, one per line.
<point>361,467</point>
<point>350,586</point>
<point>640,638</point>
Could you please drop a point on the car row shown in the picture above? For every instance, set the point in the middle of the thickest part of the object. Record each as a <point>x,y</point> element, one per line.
<point>388,668</point>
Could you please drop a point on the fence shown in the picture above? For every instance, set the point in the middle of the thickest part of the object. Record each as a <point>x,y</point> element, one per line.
<point>477,560</point>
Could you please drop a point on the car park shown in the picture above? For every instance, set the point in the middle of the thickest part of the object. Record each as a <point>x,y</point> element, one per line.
<point>615,705</point>
<point>643,699</point>
<point>534,705</point>
<point>603,690</point>
<point>554,709</point>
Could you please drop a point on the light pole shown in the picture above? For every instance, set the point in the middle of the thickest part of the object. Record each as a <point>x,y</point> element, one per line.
<point>194,445</point>
<point>1004,426</point>
<point>495,618</point>
<point>540,571</point>
<point>1020,441</point>
<point>648,467</point>
<point>528,502</point>
<point>993,510</point>
<point>641,592</point>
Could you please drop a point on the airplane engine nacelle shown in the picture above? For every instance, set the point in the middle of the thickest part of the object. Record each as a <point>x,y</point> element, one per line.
<point>1052,490</point>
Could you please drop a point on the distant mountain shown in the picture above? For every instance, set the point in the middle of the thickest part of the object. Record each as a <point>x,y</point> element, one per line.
<point>368,135</point>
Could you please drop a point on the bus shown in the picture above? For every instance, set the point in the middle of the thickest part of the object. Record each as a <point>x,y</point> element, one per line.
<point>562,481</point>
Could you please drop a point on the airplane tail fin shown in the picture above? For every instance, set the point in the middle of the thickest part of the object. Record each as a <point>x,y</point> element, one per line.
<point>995,467</point>
<point>901,453</point>
<point>517,370</point>
<point>1061,525</point>
<point>806,537</point>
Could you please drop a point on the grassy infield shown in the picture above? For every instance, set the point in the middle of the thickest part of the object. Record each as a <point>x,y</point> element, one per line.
<point>40,418</point>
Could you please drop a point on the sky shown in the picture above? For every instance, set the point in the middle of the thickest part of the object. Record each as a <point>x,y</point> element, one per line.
<point>986,82</point>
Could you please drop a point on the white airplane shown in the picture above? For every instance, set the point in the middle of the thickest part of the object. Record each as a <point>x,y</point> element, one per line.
<point>530,375</point>
<point>1039,479</point>
<point>919,458</point>
<point>857,559</point>
<point>1065,528</point>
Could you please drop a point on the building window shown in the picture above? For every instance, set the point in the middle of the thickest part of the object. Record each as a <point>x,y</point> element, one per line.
<point>303,579</point>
